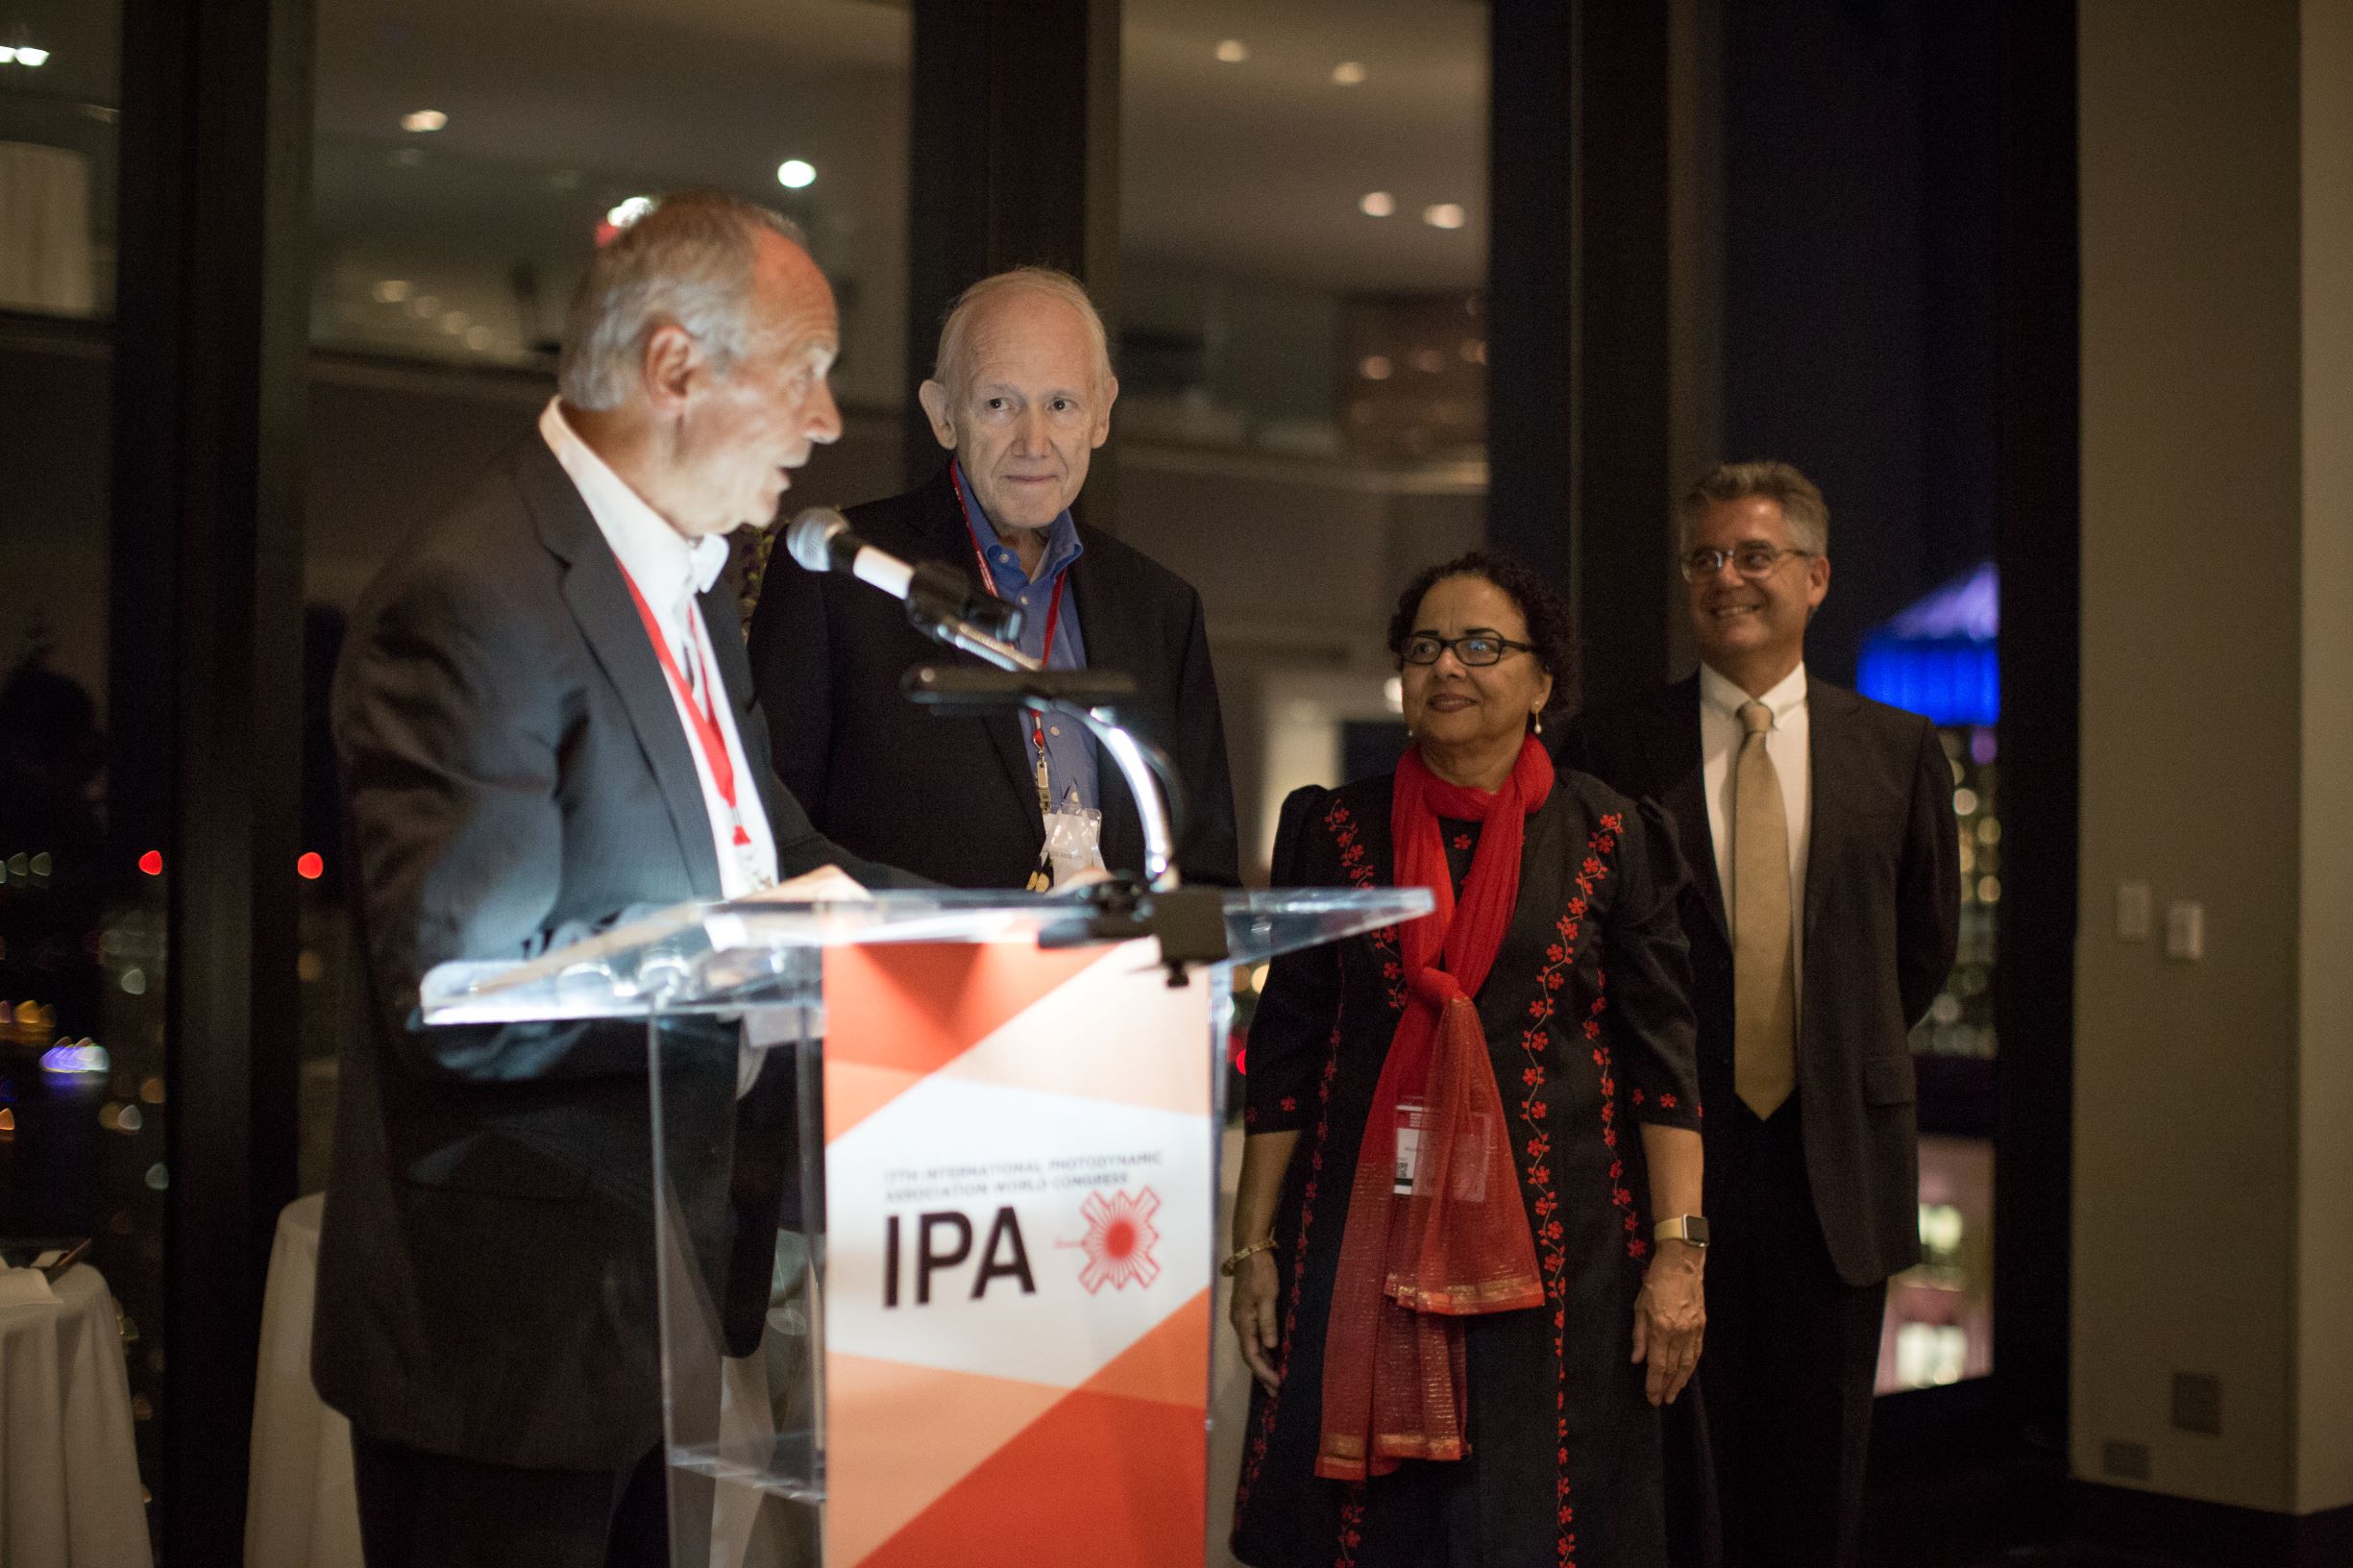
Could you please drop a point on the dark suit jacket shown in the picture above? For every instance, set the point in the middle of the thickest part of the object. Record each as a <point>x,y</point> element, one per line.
<point>517,777</point>
<point>954,798</point>
<point>1882,915</point>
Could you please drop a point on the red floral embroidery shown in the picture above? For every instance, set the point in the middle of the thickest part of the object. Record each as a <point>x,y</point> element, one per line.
<point>1551,1256</point>
<point>1351,1526</point>
<point>1290,1102</point>
<point>1463,841</point>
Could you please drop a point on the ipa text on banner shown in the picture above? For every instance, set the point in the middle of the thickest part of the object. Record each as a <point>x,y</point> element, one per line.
<point>1019,1178</point>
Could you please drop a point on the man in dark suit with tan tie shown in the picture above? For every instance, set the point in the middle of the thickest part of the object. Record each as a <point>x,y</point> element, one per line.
<point>1823,911</point>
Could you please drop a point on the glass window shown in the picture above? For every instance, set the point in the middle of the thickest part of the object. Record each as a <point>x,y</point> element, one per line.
<point>81,1090</point>
<point>1302,350</point>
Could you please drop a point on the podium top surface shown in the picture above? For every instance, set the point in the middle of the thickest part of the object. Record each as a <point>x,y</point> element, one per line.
<point>704,957</point>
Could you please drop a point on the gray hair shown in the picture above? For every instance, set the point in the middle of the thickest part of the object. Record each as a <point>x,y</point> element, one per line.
<point>948,364</point>
<point>688,264</point>
<point>1800,500</point>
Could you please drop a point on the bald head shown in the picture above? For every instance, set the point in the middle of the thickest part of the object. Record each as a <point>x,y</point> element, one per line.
<point>1022,394</point>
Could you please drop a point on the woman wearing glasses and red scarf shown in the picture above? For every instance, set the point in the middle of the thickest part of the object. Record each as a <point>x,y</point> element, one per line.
<point>1468,1246</point>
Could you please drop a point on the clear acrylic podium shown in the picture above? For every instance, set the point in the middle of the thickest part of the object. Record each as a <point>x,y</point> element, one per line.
<point>734,1003</point>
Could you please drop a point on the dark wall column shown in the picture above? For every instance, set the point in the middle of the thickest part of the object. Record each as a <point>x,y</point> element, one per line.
<point>2038,432</point>
<point>1581,427</point>
<point>1532,283</point>
<point>1016,142</point>
<point>207,669</point>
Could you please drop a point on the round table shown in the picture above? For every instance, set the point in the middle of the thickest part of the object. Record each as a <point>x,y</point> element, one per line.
<point>69,1475</point>
<point>301,1507</point>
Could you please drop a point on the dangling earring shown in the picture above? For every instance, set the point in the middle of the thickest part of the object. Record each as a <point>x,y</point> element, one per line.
<point>1540,717</point>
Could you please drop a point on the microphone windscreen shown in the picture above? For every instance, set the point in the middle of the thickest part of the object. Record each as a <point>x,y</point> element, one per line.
<point>809,538</point>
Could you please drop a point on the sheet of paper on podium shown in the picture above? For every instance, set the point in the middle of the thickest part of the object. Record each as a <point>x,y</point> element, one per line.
<point>1017,1173</point>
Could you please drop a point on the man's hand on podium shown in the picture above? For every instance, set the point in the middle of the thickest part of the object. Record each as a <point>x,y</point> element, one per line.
<point>827,884</point>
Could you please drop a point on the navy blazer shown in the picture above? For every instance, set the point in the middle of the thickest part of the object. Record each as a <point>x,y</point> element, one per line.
<point>954,798</point>
<point>517,777</point>
<point>1882,919</point>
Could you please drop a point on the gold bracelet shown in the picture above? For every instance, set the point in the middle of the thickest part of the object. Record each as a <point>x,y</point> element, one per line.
<point>1235,1260</point>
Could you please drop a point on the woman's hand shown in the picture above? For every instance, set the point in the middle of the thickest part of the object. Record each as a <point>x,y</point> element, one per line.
<point>1256,1289</point>
<point>1669,1319</point>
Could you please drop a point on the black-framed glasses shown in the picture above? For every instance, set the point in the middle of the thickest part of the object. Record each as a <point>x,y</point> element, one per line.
<point>1483,648</point>
<point>1750,561</point>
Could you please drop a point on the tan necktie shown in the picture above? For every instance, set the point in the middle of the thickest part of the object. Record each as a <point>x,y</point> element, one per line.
<point>1764,979</point>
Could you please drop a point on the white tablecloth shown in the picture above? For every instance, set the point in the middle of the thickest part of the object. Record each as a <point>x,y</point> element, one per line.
<point>301,1509</point>
<point>69,1476</point>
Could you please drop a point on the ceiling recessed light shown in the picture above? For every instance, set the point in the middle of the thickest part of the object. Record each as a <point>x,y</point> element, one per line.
<point>1376,367</point>
<point>35,58</point>
<point>796,174</point>
<point>1429,361</point>
<point>8,56</point>
<point>1377,204</point>
<point>1443,215</point>
<point>392,290</point>
<point>477,337</point>
<point>1348,73</point>
<point>424,119</point>
<point>1231,52</point>
<point>425,307</point>
<point>454,323</point>
<point>408,157</point>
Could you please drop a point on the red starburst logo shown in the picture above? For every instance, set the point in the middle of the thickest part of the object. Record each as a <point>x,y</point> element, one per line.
<point>1119,1239</point>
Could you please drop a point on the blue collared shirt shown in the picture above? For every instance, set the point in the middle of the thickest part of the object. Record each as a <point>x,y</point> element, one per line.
<point>1069,750</point>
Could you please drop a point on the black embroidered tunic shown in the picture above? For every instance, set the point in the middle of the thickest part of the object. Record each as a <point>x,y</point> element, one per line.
<point>1590,1027</point>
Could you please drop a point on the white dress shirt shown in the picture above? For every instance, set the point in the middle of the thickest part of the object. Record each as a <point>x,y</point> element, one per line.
<point>1788,743</point>
<point>670,570</point>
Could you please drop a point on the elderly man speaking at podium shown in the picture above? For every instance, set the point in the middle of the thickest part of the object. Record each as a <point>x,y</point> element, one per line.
<point>546,726</point>
<point>1021,394</point>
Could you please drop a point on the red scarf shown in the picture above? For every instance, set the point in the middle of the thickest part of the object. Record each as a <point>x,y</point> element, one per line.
<point>1414,1264</point>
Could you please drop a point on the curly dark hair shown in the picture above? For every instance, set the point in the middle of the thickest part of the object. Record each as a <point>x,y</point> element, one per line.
<point>1551,626</point>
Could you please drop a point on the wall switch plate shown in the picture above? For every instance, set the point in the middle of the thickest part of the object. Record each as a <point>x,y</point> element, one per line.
<point>2125,1461</point>
<point>2185,930</point>
<point>2197,1403</point>
<point>2134,907</point>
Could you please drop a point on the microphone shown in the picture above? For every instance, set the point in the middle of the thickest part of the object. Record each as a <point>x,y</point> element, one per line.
<point>822,540</point>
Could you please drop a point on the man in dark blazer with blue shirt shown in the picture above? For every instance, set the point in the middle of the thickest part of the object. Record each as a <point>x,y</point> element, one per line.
<point>1823,911</point>
<point>1021,394</point>
<point>546,726</point>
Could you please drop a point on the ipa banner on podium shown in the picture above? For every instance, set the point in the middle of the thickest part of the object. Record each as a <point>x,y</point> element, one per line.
<point>1018,1236</point>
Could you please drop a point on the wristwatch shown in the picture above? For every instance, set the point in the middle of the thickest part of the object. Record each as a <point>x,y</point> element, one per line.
<point>1691,1228</point>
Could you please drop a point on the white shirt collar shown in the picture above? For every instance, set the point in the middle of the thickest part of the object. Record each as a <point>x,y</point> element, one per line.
<point>662,561</point>
<point>1720,692</point>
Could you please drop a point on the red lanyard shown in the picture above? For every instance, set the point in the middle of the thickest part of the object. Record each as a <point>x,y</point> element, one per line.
<point>701,718</point>
<point>1053,619</point>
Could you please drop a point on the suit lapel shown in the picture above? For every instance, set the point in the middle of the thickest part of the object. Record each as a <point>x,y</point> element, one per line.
<point>1676,756</point>
<point>600,602</point>
<point>1829,711</point>
<point>950,539</point>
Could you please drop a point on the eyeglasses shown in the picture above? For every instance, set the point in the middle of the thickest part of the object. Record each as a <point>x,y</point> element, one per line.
<point>1750,561</point>
<point>1477,650</point>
